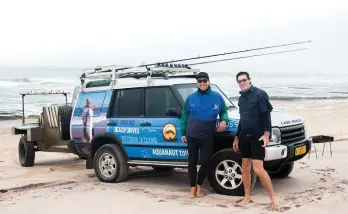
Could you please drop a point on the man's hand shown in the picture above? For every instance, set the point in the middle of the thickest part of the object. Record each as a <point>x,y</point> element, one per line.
<point>235,144</point>
<point>265,138</point>
<point>221,126</point>
<point>184,140</point>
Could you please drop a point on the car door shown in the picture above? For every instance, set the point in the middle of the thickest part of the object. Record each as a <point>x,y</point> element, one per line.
<point>125,120</point>
<point>163,124</point>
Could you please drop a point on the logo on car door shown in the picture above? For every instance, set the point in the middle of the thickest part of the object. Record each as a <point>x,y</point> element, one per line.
<point>169,132</point>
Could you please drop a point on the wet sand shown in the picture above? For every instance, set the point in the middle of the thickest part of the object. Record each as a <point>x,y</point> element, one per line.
<point>60,183</point>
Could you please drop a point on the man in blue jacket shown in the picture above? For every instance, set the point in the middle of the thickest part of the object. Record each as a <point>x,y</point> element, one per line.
<point>198,125</point>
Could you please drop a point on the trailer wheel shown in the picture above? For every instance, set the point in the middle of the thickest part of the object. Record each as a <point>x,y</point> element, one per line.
<point>26,152</point>
<point>64,117</point>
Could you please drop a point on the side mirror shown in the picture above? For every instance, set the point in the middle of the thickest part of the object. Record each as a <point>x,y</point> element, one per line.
<point>173,112</point>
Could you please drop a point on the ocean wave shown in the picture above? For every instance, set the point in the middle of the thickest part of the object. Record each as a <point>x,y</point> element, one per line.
<point>290,98</point>
<point>35,80</point>
<point>32,110</point>
<point>15,117</point>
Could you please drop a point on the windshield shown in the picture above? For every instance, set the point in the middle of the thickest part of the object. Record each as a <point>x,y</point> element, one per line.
<point>186,89</point>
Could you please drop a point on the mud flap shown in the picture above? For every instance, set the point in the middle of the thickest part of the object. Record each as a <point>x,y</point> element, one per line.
<point>89,162</point>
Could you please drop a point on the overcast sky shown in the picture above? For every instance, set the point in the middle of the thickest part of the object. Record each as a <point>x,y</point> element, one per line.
<point>90,33</point>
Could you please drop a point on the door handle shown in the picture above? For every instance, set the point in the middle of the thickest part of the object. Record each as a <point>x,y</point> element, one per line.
<point>145,124</point>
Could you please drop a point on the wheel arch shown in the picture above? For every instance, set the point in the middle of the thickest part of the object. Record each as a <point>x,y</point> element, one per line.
<point>226,150</point>
<point>223,141</point>
<point>101,139</point>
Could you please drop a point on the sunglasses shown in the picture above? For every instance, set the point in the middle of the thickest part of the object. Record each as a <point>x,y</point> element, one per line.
<point>202,80</point>
<point>242,80</point>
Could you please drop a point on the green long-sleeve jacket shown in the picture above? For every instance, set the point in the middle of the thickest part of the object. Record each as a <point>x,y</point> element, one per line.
<point>206,107</point>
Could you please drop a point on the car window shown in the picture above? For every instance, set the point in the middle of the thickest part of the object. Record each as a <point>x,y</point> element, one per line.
<point>127,103</point>
<point>92,100</point>
<point>158,101</point>
<point>76,91</point>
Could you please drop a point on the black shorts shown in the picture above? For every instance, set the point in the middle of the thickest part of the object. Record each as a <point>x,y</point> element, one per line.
<point>251,148</point>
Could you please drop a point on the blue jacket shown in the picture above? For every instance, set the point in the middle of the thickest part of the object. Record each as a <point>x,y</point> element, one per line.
<point>200,112</point>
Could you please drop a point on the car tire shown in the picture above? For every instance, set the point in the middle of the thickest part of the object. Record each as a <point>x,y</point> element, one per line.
<point>283,172</point>
<point>218,173</point>
<point>110,164</point>
<point>26,152</point>
<point>64,118</point>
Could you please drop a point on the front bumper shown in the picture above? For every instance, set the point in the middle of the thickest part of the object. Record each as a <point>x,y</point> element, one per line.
<point>282,154</point>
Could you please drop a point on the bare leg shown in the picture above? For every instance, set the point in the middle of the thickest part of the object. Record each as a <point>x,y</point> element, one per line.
<point>246,177</point>
<point>200,192</point>
<point>265,180</point>
<point>192,193</point>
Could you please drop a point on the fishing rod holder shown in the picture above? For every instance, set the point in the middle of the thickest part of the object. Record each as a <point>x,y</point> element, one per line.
<point>109,74</point>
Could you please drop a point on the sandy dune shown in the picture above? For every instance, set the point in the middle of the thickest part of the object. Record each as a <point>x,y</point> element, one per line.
<point>60,183</point>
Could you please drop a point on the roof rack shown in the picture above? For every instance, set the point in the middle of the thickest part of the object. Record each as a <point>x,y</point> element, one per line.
<point>113,73</point>
<point>44,92</point>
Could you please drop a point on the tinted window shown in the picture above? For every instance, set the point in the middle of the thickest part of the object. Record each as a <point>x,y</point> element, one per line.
<point>93,100</point>
<point>158,100</point>
<point>127,103</point>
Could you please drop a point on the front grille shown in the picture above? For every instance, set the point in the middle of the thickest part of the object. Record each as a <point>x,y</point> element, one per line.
<point>292,134</point>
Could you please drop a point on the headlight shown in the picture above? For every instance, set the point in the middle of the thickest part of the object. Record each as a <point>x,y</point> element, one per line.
<point>307,130</point>
<point>276,137</point>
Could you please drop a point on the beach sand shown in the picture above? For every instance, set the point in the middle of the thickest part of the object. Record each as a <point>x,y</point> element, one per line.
<point>59,183</point>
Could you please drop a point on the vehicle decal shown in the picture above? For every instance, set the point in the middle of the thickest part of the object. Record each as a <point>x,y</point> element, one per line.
<point>89,116</point>
<point>153,138</point>
<point>142,137</point>
<point>157,153</point>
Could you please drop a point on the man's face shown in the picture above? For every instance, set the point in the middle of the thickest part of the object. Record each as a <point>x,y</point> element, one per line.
<point>243,82</point>
<point>88,102</point>
<point>203,83</point>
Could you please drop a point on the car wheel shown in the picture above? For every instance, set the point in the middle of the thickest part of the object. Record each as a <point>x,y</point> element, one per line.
<point>26,152</point>
<point>283,172</point>
<point>225,175</point>
<point>110,164</point>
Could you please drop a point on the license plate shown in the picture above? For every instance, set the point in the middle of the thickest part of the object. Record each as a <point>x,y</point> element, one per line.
<point>300,150</point>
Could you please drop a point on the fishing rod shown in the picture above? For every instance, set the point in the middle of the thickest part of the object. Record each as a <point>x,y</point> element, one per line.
<point>212,55</point>
<point>242,57</point>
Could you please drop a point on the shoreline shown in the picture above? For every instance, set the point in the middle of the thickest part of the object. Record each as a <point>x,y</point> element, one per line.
<point>322,118</point>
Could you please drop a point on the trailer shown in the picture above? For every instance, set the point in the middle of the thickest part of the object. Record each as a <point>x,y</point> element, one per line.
<point>45,134</point>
